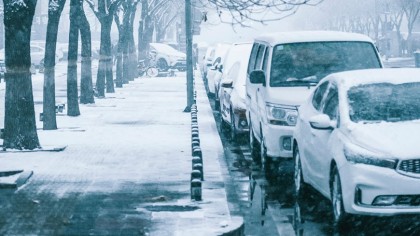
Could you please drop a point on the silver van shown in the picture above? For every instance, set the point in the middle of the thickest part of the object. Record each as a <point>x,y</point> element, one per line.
<point>283,69</point>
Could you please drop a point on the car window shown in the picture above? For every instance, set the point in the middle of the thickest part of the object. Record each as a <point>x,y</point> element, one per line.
<point>300,64</point>
<point>217,61</point>
<point>265,61</point>
<point>258,61</point>
<point>252,57</point>
<point>331,103</point>
<point>234,71</point>
<point>318,95</point>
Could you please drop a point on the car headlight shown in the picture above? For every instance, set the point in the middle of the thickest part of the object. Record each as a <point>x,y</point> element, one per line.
<point>370,160</point>
<point>281,115</point>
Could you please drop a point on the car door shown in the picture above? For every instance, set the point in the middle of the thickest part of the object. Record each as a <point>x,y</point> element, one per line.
<point>259,102</point>
<point>306,144</point>
<point>251,88</point>
<point>320,153</point>
<point>225,94</point>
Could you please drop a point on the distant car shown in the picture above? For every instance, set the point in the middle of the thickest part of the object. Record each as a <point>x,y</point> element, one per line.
<point>207,61</point>
<point>235,50</point>
<point>168,57</point>
<point>356,142</point>
<point>232,90</point>
<point>216,69</point>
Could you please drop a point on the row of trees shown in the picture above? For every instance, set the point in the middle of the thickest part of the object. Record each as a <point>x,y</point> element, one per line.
<point>156,15</point>
<point>376,18</point>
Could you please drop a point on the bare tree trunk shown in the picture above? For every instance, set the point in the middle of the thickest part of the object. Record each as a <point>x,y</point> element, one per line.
<point>119,66</point>
<point>132,48</point>
<point>54,14</point>
<point>86,86</point>
<point>126,61</point>
<point>72,93</point>
<point>19,121</point>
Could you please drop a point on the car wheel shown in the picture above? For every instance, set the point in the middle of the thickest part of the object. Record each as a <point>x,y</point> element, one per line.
<point>340,217</point>
<point>300,186</point>
<point>162,65</point>
<point>216,102</point>
<point>253,145</point>
<point>233,132</point>
<point>224,127</point>
<point>264,159</point>
<point>152,72</point>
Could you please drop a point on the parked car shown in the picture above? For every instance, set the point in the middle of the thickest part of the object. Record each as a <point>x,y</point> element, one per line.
<point>283,70</point>
<point>216,69</point>
<point>232,90</point>
<point>168,57</point>
<point>231,57</point>
<point>207,61</point>
<point>356,142</point>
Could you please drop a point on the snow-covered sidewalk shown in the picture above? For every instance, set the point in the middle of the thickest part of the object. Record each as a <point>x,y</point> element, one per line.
<point>126,168</point>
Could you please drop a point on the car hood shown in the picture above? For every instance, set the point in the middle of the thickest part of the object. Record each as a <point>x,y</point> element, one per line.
<point>399,140</point>
<point>290,96</point>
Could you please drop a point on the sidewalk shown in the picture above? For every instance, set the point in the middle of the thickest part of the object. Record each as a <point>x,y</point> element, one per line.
<point>125,171</point>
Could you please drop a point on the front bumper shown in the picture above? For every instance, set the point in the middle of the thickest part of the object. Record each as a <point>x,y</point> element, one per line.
<point>275,136</point>
<point>361,184</point>
<point>180,65</point>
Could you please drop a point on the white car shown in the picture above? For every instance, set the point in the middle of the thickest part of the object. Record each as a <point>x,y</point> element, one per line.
<point>168,57</point>
<point>357,142</point>
<point>232,55</point>
<point>207,61</point>
<point>283,69</point>
<point>232,90</point>
<point>215,71</point>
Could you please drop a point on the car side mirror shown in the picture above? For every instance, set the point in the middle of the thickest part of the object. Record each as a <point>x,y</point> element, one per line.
<point>322,122</point>
<point>257,77</point>
<point>227,84</point>
<point>220,68</point>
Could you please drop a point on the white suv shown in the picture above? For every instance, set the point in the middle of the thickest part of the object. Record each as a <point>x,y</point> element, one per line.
<point>283,69</point>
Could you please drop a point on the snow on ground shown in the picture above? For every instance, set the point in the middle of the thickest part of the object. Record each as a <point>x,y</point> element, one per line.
<point>136,137</point>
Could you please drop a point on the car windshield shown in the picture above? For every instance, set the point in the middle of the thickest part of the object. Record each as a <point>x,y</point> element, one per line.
<point>303,64</point>
<point>384,102</point>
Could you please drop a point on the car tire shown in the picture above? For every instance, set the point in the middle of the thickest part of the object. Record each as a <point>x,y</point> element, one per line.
<point>216,103</point>
<point>233,131</point>
<point>162,65</point>
<point>300,185</point>
<point>341,219</point>
<point>266,162</point>
<point>224,127</point>
<point>253,145</point>
<point>152,72</point>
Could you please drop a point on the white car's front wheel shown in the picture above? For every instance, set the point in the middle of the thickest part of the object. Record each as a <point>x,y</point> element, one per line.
<point>339,214</point>
<point>300,186</point>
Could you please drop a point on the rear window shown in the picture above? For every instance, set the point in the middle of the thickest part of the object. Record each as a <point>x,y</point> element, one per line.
<point>300,64</point>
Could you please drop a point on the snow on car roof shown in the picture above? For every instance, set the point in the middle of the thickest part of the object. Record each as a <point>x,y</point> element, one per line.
<point>310,36</point>
<point>349,79</point>
<point>237,52</point>
<point>164,48</point>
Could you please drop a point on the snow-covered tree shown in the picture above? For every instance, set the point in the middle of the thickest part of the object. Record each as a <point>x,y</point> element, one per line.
<point>19,121</point>
<point>104,11</point>
<point>55,9</point>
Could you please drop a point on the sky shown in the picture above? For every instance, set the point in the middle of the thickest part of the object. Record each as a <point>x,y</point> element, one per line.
<point>213,31</point>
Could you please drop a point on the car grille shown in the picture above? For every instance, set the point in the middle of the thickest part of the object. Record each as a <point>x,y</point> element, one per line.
<point>410,167</point>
